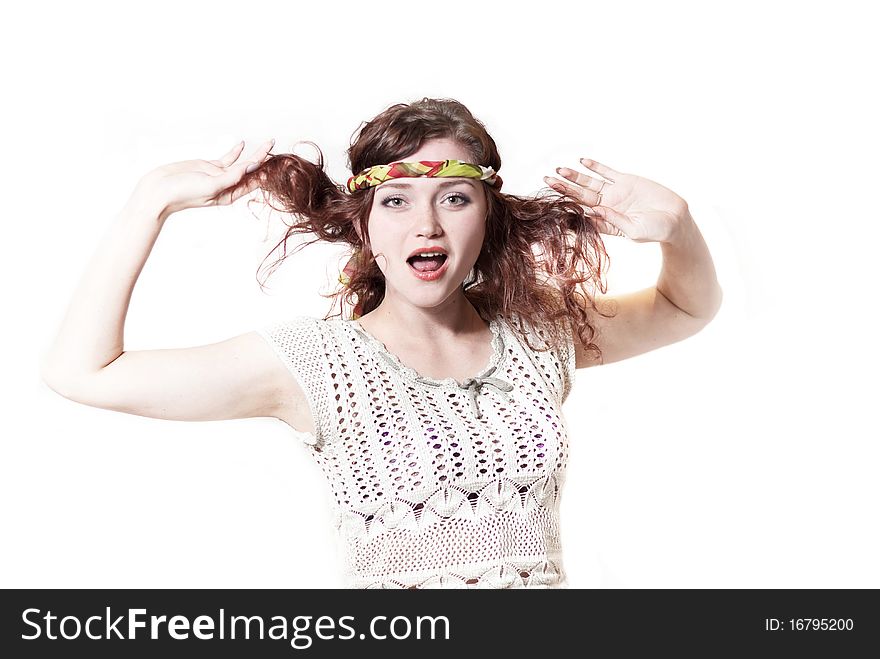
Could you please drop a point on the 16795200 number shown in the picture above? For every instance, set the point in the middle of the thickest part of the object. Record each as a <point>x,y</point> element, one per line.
<point>820,624</point>
<point>809,624</point>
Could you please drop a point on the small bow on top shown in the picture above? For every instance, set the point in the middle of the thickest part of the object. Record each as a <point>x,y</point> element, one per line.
<point>473,386</point>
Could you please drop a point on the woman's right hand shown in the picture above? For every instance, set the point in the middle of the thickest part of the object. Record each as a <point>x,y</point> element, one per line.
<point>198,183</point>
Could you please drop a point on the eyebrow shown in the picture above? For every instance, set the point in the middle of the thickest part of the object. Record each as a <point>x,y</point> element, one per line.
<point>445,184</point>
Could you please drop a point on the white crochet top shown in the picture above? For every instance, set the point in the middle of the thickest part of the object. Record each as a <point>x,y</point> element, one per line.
<point>436,483</point>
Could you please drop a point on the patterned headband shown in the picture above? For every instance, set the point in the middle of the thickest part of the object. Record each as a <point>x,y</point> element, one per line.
<point>378,174</point>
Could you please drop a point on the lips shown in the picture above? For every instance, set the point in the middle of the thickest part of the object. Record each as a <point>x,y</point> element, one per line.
<point>427,250</point>
<point>428,263</point>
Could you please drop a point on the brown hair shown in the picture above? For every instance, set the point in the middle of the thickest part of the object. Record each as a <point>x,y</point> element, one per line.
<point>538,254</point>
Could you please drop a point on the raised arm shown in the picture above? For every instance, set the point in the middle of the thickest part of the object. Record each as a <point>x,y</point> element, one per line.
<point>687,294</point>
<point>87,362</point>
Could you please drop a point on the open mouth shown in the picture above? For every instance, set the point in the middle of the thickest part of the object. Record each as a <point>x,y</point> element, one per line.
<point>428,262</point>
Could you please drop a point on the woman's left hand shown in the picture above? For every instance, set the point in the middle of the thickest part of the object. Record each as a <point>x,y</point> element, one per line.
<point>624,204</point>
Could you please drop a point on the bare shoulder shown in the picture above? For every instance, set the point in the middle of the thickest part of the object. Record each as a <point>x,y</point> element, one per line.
<point>638,322</point>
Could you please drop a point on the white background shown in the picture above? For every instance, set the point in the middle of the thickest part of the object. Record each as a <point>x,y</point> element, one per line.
<point>745,456</point>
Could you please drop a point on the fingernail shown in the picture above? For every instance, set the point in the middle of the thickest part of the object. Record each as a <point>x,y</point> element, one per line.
<point>251,167</point>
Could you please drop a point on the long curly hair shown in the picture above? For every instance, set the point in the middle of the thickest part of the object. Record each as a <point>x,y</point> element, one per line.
<point>542,258</point>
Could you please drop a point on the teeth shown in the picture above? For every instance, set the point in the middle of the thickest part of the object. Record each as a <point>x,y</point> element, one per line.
<point>430,254</point>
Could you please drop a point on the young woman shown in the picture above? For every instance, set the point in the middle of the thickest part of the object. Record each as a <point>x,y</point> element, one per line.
<point>435,407</point>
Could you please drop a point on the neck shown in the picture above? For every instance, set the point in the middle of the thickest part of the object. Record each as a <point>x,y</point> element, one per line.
<point>454,317</point>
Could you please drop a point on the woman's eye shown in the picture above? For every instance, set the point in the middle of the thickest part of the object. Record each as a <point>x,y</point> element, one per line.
<point>391,201</point>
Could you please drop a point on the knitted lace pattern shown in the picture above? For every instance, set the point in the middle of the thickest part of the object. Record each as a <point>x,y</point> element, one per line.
<point>436,483</point>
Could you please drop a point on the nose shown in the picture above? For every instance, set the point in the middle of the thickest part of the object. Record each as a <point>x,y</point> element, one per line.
<point>428,223</point>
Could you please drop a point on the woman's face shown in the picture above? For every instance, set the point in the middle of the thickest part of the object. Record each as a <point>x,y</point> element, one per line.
<point>447,215</point>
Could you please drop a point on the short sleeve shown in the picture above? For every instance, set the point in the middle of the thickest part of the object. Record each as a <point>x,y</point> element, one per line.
<point>298,344</point>
<point>566,355</point>
<point>555,362</point>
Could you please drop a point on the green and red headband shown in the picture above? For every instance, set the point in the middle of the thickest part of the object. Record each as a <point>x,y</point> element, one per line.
<point>378,174</point>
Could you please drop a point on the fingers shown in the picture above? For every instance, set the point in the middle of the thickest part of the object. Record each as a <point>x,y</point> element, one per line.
<point>586,188</point>
<point>609,221</point>
<point>229,157</point>
<point>233,177</point>
<point>606,219</point>
<point>588,191</point>
<point>599,168</point>
<point>590,183</point>
<point>239,191</point>
<point>259,155</point>
<point>233,154</point>
<point>610,229</point>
